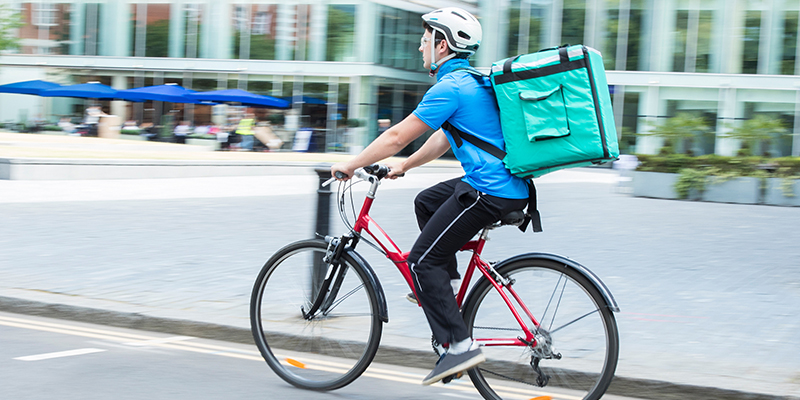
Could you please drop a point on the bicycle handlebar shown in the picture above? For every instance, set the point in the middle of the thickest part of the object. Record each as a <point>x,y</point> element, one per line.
<point>379,171</point>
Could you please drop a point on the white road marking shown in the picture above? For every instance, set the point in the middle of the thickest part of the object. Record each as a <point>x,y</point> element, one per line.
<point>171,339</point>
<point>59,354</point>
<point>179,343</point>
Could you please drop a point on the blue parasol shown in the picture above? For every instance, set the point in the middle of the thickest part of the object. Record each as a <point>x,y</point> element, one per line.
<point>169,92</point>
<point>91,90</point>
<point>240,96</point>
<point>28,87</point>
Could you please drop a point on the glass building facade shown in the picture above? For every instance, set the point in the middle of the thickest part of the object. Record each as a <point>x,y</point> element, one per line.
<point>358,60</point>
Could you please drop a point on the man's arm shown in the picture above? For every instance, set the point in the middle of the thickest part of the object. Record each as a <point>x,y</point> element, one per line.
<point>434,147</point>
<point>386,145</point>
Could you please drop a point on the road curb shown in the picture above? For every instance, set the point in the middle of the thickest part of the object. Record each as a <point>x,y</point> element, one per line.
<point>640,388</point>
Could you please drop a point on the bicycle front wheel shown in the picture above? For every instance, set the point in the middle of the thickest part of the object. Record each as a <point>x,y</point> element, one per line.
<point>334,346</point>
<point>577,341</point>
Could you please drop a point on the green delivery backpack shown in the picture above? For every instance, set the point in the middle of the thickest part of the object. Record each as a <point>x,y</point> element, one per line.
<point>555,111</point>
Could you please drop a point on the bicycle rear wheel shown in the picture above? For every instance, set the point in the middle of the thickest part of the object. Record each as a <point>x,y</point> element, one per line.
<point>334,347</point>
<point>576,328</point>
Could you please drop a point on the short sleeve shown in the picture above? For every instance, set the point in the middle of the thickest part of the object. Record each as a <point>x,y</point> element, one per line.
<point>439,103</point>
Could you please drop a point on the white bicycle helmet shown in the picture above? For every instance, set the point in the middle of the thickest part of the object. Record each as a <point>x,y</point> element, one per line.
<point>460,28</point>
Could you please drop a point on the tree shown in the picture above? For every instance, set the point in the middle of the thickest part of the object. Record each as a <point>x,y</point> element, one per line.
<point>9,21</point>
<point>758,132</point>
<point>681,132</point>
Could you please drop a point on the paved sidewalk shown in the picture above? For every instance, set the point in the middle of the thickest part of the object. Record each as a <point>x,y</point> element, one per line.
<point>709,292</point>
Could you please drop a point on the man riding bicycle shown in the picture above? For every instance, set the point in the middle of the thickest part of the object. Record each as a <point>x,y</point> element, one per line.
<point>450,213</point>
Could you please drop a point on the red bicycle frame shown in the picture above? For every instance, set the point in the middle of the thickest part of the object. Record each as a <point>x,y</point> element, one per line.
<point>400,259</point>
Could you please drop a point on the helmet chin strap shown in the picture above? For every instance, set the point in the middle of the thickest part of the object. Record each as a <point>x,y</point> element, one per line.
<point>434,63</point>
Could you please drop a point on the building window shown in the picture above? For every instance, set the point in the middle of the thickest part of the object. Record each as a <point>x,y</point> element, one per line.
<point>341,33</point>
<point>680,32</point>
<point>788,60</point>
<point>262,23</point>
<point>398,39</point>
<point>705,32</point>
<point>752,36</point>
<point>157,30</point>
<point>240,18</point>
<point>525,21</point>
<point>193,18</point>
<point>573,21</point>
<point>44,14</point>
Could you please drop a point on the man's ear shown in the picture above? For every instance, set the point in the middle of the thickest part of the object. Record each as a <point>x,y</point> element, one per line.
<point>443,46</point>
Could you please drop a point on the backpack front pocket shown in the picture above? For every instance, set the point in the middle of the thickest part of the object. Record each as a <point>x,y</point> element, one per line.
<point>545,113</point>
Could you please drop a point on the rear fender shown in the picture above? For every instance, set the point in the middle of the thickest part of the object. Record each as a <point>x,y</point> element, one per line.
<point>571,264</point>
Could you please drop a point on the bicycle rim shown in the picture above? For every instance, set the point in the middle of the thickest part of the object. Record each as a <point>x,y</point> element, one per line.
<point>572,315</point>
<point>333,348</point>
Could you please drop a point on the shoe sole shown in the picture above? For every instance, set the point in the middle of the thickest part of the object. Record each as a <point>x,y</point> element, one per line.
<point>469,364</point>
<point>412,299</point>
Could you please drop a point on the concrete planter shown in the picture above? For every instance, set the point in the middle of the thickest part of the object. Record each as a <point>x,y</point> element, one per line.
<point>212,143</point>
<point>743,190</point>
<point>658,185</point>
<point>775,195</point>
<point>661,185</point>
<point>128,136</point>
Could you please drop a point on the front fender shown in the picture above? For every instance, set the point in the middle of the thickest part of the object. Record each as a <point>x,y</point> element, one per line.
<point>568,263</point>
<point>383,310</point>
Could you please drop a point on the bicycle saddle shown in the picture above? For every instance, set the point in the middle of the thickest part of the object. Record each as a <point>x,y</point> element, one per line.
<point>513,218</point>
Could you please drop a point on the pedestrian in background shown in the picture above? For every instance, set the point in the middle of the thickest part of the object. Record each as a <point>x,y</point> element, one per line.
<point>181,131</point>
<point>245,130</point>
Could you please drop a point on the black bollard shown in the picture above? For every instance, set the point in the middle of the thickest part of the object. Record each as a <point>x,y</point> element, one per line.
<point>322,228</point>
<point>323,201</point>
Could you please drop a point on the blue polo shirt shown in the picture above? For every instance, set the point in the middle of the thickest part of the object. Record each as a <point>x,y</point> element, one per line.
<point>458,98</point>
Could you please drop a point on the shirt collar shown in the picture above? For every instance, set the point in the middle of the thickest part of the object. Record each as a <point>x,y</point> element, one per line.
<point>450,65</point>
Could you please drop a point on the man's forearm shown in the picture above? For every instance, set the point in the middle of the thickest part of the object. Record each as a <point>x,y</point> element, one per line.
<point>433,148</point>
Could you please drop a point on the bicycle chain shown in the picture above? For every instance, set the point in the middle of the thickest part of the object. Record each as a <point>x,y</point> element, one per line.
<point>508,377</point>
<point>497,329</point>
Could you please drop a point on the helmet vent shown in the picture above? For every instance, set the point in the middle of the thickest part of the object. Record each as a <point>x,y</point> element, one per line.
<point>464,35</point>
<point>458,15</point>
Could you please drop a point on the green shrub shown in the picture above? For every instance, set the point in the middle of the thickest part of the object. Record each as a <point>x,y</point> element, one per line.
<point>691,179</point>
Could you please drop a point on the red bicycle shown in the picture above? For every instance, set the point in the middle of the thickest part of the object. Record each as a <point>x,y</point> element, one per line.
<point>545,323</point>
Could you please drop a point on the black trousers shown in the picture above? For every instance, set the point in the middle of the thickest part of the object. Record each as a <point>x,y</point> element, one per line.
<point>449,214</point>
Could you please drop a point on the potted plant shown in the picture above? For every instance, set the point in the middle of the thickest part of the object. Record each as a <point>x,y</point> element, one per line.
<point>681,133</point>
<point>757,134</point>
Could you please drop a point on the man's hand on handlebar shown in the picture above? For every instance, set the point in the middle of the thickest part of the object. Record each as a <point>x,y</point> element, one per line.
<point>395,170</point>
<point>341,171</point>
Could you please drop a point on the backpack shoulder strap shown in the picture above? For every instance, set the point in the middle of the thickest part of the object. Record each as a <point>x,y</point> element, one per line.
<point>459,135</point>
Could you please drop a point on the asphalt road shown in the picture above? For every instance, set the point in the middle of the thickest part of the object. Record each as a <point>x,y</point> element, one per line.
<point>45,358</point>
<point>708,292</point>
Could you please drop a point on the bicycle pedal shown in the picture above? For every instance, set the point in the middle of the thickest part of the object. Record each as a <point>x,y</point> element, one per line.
<point>447,379</point>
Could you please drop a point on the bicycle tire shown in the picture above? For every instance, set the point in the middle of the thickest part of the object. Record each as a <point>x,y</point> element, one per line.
<point>328,351</point>
<point>572,312</point>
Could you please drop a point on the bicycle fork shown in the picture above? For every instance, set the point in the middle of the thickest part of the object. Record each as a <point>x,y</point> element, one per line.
<point>327,277</point>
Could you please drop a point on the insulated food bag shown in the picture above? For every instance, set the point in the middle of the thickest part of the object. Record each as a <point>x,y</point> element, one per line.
<point>555,110</point>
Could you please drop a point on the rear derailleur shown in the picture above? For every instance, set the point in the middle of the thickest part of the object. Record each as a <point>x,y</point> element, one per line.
<point>542,350</point>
